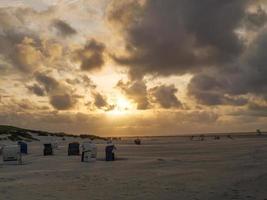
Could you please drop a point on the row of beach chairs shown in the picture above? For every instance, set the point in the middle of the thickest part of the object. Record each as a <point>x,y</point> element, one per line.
<point>88,151</point>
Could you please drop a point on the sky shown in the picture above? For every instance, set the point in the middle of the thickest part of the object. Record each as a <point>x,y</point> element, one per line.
<point>134,67</point>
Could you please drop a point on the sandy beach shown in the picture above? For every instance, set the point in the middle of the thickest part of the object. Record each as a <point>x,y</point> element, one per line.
<point>160,168</point>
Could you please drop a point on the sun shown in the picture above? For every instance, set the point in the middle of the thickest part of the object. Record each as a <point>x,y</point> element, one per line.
<point>122,106</point>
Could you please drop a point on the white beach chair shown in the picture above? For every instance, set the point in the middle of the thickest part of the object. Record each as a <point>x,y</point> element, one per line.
<point>89,152</point>
<point>11,153</point>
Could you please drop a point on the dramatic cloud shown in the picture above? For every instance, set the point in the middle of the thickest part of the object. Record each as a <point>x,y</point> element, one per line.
<point>19,44</point>
<point>36,89</point>
<point>254,67</point>
<point>48,82</point>
<point>28,53</point>
<point>19,50</point>
<point>64,29</point>
<point>101,102</point>
<point>62,101</point>
<point>209,90</point>
<point>91,56</point>
<point>178,36</point>
<point>247,77</point>
<point>60,96</point>
<point>165,96</point>
<point>185,36</point>
<point>88,82</point>
<point>136,91</point>
<point>28,47</point>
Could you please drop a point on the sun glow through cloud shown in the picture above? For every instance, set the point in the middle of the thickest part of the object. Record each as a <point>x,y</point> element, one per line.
<point>122,107</point>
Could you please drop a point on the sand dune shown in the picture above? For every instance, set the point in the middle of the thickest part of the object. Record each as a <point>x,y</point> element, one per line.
<point>160,168</point>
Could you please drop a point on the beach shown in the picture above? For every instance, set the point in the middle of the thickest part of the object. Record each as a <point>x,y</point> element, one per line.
<point>159,168</point>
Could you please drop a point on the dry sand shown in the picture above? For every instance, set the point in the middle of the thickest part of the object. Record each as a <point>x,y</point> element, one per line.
<point>160,168</point>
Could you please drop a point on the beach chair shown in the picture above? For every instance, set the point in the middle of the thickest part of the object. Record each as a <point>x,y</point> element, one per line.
<point>11,153</point>
<point>89,152</point>
<point>48,149</point>
<point>110,151</point>
<point>1,150</point>
<point>23,147</point>
<point>74,149</point>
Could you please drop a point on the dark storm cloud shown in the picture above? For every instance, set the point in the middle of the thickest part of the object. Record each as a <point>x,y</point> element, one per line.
<point>48,82</point>
<point>100,101</point>
<point>178,36</point>
<point>255,67</point>
<point>189,36</point>
<point>64,29</point>
<point>63,101</point>
<point>145,98</point>
<point>91,56</point>
<point>88,82</point>
<point>60,96</point>
<point>136,91</point>
<point>36,89</point>
<point>223,86</point>
<point>212,90</point>
<point>165,96</point>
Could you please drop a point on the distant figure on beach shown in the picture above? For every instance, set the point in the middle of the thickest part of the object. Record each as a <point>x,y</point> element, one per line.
<point>259,132</point>
<point>230,137</point>
<point>192,137</point>
<point>110,151</point>
<point>202,137</point>
<point>216,137</point>
<point>137,141</point>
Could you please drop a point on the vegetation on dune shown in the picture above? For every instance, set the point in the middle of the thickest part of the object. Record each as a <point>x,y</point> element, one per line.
<point>18,134</point>
<point>92,137</point>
